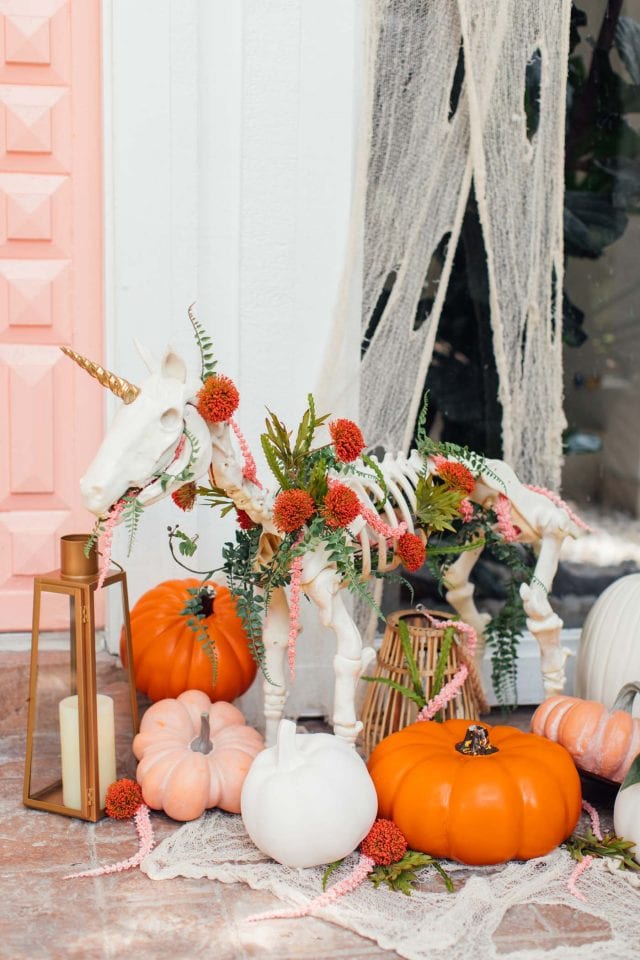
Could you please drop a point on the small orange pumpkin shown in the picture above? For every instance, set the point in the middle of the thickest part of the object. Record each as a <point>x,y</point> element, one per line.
<point>193,755</point>
<point>454,794</point>
<point>600,741</point>
<point>167,656</point>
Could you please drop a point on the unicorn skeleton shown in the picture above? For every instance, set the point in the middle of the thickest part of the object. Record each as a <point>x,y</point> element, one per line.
<point>158,434</point>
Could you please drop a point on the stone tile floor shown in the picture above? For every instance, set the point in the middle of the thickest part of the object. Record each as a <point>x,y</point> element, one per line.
<point>42,916</point>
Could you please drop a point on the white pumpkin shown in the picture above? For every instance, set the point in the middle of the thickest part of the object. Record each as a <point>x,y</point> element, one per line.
<point>609,651</point>
<point>309,800</point>
<point>626,809</point>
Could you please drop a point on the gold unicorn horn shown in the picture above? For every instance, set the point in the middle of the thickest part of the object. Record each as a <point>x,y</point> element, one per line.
<point>118,385</point>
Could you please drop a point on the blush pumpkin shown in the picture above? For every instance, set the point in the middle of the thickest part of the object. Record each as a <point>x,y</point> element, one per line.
<point>476,794</point>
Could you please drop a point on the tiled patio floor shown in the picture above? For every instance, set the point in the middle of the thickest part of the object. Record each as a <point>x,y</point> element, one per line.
<point>128,915</point>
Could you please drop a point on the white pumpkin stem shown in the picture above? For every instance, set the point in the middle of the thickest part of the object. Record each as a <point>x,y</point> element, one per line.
<point>628,693</point>
<point>202,743</point>
<point>286,750</point>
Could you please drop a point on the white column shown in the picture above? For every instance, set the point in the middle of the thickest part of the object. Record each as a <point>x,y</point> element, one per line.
<point>231,135</point>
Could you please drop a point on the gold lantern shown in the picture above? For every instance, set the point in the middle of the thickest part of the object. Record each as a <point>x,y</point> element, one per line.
<point>81,721</point>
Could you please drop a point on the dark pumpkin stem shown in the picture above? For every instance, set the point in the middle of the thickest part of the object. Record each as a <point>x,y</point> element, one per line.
<point>476,742</point>
<point>206,596</point>
<point>202,743</point>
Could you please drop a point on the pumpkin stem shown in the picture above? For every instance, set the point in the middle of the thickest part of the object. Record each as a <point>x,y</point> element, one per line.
<point>206,596</point>
<point>626,697</point>
<point>286,750</point>
<point>476,742</point>
<point>202,743</point>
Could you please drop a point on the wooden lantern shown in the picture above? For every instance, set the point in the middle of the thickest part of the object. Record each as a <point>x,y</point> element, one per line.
<point>78,736</point>
<point>386,710</point>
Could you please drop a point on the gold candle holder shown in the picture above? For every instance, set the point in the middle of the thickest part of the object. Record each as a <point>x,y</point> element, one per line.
<point>78,735</point>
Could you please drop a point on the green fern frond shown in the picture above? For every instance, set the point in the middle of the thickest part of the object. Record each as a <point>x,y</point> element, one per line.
<point>205,346</point>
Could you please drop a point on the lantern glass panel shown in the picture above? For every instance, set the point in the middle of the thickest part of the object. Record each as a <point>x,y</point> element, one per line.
<point>55,680</point>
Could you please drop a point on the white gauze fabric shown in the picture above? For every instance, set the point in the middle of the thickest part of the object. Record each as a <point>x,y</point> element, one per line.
<point>415,171</point>
<point>431,924</point>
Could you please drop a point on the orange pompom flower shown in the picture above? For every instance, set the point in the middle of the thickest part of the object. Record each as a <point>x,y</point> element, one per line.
<point>341,506</point>
<point>347,440</point>
<point>291,509</point>
<point>412,551</point>
<point>455,474</point>
<point>123,798</point>
<point>244,520</point>
<point>385,843</point>
<point>218,399</point>
<point>185,496</point>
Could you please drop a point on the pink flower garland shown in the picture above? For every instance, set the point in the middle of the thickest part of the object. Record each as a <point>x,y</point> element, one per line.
<point>559,502</point>
<point>466,510</point>
<point>502,510</point>
<point>451,688</point>
<point>360,873</point>
<point>107,540</point>
<point>249,470</point>
<point>377,523</point>
<point>586,862</point>
<point>294,611</point>
<point>146,843</point>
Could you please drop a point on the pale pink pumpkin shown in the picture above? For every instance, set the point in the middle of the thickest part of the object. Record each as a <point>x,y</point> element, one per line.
<point>600,741</point>
<point>194,755</point>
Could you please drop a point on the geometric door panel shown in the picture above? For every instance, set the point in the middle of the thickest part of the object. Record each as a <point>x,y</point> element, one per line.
<point>50,283</point>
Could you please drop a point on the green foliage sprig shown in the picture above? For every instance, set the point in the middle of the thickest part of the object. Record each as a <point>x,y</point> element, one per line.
<point>198,609</point>
<point>402,876</point>
<point>587,844</point>
<point>205,346</point>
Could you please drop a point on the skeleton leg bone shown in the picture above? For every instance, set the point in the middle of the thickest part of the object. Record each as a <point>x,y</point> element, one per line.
<point>460,596</point>
<point>275,635</point>
<point>542,622</point>
<point>350,660</point>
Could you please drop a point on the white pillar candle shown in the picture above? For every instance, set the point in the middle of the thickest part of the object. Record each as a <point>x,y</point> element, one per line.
<point>70,749</point>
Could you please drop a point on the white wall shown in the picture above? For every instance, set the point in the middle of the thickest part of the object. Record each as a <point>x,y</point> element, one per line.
<point>230,133</point>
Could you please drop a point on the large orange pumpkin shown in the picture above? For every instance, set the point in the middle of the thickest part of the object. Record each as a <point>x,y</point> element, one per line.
<point>600,741</point>
<point>515,803</point>
<point>167,656</point>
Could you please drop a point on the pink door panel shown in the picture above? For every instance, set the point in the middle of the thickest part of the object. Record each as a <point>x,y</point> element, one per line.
<point>50,282</point>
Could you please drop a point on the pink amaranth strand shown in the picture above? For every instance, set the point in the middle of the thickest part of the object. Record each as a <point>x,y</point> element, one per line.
<point>502,510</point>
<point>377,523</point>
<point>586,862</point>
<point>559,502</point>
<point>466,510</point>
<point>360,873</point>
<point>451,688</point>
<point>145,846</point>
<point>107,539</point>
<point>294,612</point>
<point>249,469</point>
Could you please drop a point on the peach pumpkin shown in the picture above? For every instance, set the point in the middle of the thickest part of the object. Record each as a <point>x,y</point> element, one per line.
<point>193,755</point>
<point>600,741</point>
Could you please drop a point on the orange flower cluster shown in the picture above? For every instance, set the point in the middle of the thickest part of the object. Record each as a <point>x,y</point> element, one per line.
<point>185,496</point>
<point>341,506</point>
<point>412,551</point>
<point>455,475</point>
<point>385,843</point>
<point>291,509</point>
<point>218,399</point>
<point>123,798</point>
<point>347,440</point>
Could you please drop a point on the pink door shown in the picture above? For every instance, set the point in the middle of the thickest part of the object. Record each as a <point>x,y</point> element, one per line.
<point>50,282</point>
